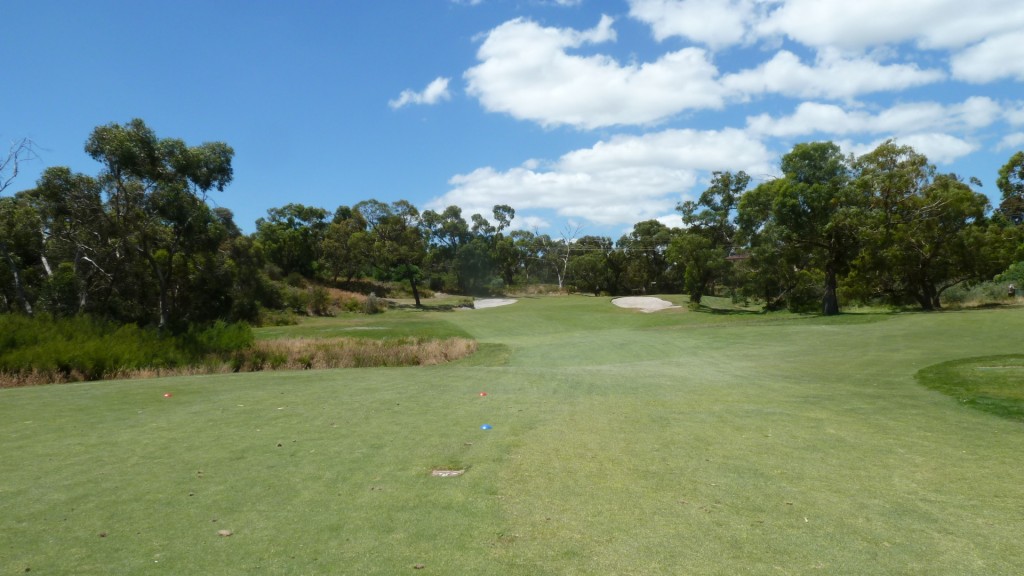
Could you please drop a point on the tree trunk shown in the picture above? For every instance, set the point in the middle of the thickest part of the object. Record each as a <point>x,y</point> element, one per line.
<point>830,301</point>
<point>415,291</point>
<point>19,289</point>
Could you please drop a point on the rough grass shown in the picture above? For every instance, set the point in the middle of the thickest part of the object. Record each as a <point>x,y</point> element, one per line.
<point>284,354</point>
<point>306,354</point>
<point>621,443</point>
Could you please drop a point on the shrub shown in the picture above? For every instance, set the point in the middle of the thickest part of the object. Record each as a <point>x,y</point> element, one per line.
<point>81,348</point>
<point>296,300</point>
<point>319,301</point>
<point>374,305</point>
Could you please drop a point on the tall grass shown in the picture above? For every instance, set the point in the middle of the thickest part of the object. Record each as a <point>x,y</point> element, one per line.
<point>42,350</point>
<point>305,354</point>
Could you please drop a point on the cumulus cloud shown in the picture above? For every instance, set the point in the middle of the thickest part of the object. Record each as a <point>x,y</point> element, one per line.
<point>992,59</point>
<point>939,148</point>
<point>529,72</point>
<point>619,181</point>
<point>832,76</point>
<point>435,92</point>
<point>1013,141</point>
<point>814,117</point>
<point>715,23</point>
<point>931,24</point>
<point>1015,114</point>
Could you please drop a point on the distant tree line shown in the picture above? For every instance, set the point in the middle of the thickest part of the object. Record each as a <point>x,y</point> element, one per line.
<point>139,243</point>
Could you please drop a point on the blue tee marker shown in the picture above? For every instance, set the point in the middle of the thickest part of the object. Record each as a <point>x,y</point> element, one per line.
<point>485,427</point>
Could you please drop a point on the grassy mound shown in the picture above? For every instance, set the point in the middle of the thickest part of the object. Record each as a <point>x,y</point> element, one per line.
<point>994,384</point>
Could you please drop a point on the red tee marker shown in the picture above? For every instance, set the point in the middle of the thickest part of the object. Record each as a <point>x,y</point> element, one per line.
<point>483,393</point>
<point>167,395</point>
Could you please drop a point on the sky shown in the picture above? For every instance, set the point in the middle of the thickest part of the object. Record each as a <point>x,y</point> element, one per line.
<point>587,115</point>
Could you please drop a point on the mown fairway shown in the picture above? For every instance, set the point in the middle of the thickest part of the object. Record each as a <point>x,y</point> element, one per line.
<point>622,443</point>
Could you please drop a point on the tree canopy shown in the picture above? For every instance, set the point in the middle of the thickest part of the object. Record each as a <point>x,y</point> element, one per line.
<point>139,242</point>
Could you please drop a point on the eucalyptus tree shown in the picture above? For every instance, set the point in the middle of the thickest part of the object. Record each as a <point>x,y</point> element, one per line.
<point>293,236</point>
<point>924,233</point>
<point>155,191</point>
<point>77,232</point>
<point>813,211</point>
<point>20,250</point>
<point>589,270</point>
<point>1011,184</point>
<point>399,246</point>
<point>344,250</point>
<point>10,212</point>
<point>646,251</point>
<point>447,232</point>
<point>18,152</point>
<point>710,235</point>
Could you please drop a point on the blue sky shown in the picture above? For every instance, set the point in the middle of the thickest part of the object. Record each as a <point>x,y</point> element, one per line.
<point>574,112</point>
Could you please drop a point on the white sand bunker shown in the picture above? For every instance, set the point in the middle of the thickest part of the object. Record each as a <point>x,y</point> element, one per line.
<point>493,302</point>
<point>643,303</point>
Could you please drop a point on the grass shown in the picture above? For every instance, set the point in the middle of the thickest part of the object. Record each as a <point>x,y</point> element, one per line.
<point>623,443</point>
<point>994,384</point>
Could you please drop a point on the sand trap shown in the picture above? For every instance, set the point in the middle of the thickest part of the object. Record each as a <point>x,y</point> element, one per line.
<point>643,303</point>
<point>492,302</point>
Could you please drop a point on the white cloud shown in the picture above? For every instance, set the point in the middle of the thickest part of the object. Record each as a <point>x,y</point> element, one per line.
<point>435,92</point>
<point>856,25</point>
<point>992,59</point>
<point>526,71</point>
<point>939,148</point>
<point>832,76</point>
<point>716,23</point>
<point>670,220</point>
<point>1015,114</point>
<point>1014,141</point>
<point>620,181</point>
<point>813,117</point>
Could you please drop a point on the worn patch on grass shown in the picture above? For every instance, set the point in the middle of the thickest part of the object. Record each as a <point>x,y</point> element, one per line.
<point>440,473</point>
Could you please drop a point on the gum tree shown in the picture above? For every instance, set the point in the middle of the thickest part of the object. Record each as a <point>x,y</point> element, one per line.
<point>155,191</point>
<point>812,214</point>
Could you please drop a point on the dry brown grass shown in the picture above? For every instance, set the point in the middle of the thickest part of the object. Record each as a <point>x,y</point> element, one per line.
<point>306,354</point>
<point>289,354</point>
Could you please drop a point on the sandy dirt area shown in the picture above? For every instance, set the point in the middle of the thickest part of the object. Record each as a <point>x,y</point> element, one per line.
<point>643,303</point>
<point>492,302</point>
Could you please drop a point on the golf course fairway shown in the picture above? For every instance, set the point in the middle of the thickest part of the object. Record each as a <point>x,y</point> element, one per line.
<point>620,443</point>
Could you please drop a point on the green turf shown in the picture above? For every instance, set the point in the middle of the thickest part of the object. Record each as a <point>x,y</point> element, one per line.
<point>994,384</point>
<point>622,443</point>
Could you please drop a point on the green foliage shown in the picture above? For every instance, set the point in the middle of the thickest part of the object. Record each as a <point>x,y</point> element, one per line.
<point>319,301</point>
<point>221,338</point>
<point>84,348</point>
<point>1011,183</point>
<point>993,384</point>
<point>296,300</point>
<point>1013,275</point>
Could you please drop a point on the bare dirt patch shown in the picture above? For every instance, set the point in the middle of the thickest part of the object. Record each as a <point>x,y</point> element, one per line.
<point>644,303</point>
